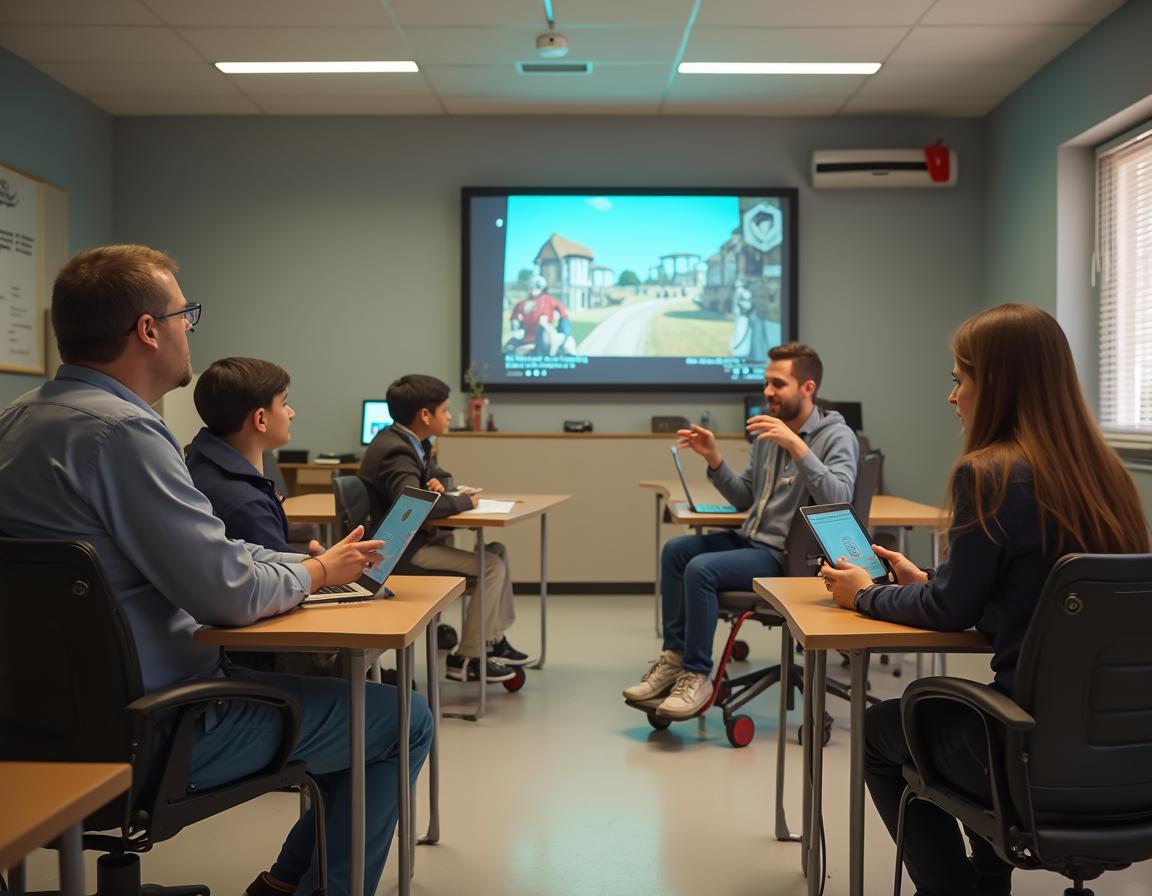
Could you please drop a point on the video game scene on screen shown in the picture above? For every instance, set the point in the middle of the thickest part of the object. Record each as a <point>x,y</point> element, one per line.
<point>642,276</point>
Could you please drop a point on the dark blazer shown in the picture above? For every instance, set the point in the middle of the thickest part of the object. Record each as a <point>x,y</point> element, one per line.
<point>392,463</point>
<point>244,499</point>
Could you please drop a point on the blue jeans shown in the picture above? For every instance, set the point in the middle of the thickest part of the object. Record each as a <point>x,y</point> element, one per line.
<point>694,569</point>
<point>245,738</point>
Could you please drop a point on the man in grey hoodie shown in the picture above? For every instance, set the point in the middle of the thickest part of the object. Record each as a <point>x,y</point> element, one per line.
<point>801,455</point>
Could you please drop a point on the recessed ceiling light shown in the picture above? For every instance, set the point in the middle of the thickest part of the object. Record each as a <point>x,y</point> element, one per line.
<point>323,68</point>
<point>779,68</point>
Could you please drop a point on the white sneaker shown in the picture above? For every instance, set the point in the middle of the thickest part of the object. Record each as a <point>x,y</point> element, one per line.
<point>658,680</point>
<point>689,695</point>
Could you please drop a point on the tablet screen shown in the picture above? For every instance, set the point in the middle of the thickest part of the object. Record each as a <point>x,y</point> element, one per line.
<point>841,536</point>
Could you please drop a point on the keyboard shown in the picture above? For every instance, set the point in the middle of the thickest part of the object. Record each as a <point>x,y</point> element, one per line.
<point>338,589</point>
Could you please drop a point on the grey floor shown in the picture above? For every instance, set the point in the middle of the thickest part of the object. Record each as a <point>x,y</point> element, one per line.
<point>564,790</point>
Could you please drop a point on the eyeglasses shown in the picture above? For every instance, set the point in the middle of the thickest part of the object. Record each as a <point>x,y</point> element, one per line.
<point>190,311</point>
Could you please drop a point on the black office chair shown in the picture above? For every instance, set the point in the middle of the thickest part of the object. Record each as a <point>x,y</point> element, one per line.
<point>71,691</point>
<point>353,507</point>
<point>801,558</point>
<point>1069,755</point>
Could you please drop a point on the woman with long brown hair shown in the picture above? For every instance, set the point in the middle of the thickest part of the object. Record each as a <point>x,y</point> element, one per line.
<point>1035,481</point>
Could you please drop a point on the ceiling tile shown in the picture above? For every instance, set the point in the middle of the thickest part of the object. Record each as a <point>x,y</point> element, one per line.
<point>922,106</point>
<point>704,87</point>
<point>810,13</point>
<point>96,43</point>
<point>311,44</point>
<point>1032,45</point>
<point>348,105</point>
<point>792,44</point>
<point>1020,12</point>
<point>606,82</point>
<point>493,46</point>
<point>483,106</point>
<point>77,12</point>
<point>530,13</point>
<point>946,80</point>
<point>775,106</point>
<point>271,13</point>
<point>176,105</point>
<point>411,85</point>
<point>129,79</point>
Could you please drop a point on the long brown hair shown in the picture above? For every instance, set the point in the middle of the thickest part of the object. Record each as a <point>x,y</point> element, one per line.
<point>1029,406</point>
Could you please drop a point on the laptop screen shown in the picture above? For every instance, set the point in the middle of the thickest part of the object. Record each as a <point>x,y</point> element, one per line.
<point>397,528</point>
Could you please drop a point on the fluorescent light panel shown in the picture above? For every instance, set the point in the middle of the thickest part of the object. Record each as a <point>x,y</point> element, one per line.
<point>779,68</point>
<point>316,68</point>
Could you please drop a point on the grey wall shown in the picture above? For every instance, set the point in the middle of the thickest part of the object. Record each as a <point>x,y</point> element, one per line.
<point>1040,174</point>
<point>332,245</point>
<point>48,131</point>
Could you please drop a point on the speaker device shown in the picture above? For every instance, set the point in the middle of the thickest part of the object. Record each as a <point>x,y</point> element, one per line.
<point>669,424</point>
<point>577,426</point>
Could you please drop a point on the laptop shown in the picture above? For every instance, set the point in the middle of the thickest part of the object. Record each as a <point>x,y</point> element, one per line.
<point>692,505</point>
<point>402,522</point>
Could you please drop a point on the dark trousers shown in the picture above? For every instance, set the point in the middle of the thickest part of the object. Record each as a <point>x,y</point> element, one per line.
<point>934,852</point>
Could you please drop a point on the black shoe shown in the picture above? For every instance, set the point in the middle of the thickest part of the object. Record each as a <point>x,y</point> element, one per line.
<point>446,637</point>
<point>505,653</point>
<point>457,665</point>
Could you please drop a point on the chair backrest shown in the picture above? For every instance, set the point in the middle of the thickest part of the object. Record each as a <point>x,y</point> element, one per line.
<point>801,552</point>
<point>353,505</point>
<point>1085,675</point>
<point>68,663</point>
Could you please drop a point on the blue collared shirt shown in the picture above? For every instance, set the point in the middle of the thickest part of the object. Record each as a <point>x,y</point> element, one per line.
<point>84,458</point>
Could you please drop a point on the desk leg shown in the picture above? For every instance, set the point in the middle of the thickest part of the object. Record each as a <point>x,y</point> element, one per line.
<point>433,835</point>
<point>72,862</point>
<point>482,703</point>
<point>782,832</point>
<point>815,736</point>
<point>405,841</point>
<point>18,879</point>
<point>357,668</point>
<point>806,736</point>
<point>539,664</point>
<point>656,577</point>
<point>859,660</point>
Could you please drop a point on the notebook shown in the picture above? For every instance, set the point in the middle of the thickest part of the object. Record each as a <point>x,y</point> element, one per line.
<point>692,505</point>
<point>402,522</point>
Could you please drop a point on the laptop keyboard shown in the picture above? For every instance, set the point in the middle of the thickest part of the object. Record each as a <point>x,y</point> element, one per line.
<point>337,589</point>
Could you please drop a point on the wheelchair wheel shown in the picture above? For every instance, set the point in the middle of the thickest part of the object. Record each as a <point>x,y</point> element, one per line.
<point>740,650</point>
<point>658,722</point>
<point>740,731</point>
<point>827,731</point>
<point>513,684</point>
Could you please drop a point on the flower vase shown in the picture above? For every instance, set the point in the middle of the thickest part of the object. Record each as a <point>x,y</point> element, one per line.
<point>476,414</point>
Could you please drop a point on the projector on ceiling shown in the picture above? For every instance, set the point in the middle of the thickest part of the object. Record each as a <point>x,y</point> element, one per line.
<point>551,45</point>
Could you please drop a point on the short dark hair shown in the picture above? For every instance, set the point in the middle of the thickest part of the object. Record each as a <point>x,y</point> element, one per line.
<point>232,388</point>
<point>806,364</point>
<point>411,394</point>
<point>100,294</point>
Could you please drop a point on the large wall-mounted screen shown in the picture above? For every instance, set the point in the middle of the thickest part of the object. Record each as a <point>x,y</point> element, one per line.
<point>626,289</point>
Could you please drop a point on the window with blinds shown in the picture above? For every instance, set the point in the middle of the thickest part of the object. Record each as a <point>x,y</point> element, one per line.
<point>1124,279</point>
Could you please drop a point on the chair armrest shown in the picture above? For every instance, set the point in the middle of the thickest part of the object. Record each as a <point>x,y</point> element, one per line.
<point>980,697</point>
<point>209,691</point>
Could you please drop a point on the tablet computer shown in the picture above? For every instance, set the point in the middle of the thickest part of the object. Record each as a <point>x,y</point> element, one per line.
<point>840,533</point>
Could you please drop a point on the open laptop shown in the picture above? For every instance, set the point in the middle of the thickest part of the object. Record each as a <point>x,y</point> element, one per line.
<point>692,505</point>
<point>403,520</point>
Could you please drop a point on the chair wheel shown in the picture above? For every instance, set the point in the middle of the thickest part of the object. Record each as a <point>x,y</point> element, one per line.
<point>827,731</point>
<point>740,650</point>
<point>658,722</point>
<point>446,637</point>
<point>740,731</point>
<point>516,682</point>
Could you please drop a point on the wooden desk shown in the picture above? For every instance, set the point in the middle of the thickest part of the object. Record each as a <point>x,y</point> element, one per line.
<point>527,507</point>
<point>315,508</point>
<point>302,479</point>
<point>818,625</point>
<point>46,800</point>
<point>357,630</point>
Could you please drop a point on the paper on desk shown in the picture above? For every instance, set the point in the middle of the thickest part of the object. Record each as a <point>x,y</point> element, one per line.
<point>488,505</point>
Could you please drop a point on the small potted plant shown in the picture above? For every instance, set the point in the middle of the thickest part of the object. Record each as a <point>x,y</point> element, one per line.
<point>474,382</point>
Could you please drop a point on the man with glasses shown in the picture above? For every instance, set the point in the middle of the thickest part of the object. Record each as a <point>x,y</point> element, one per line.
<point>85,457</point>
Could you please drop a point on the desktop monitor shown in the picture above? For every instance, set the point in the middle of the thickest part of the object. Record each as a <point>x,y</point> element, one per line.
<point>373,418</point>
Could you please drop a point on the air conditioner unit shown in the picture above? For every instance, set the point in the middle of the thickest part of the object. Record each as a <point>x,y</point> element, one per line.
<point>856,168</point>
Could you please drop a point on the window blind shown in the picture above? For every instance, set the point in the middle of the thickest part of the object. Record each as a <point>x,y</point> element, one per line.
<point>1124,269</point>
